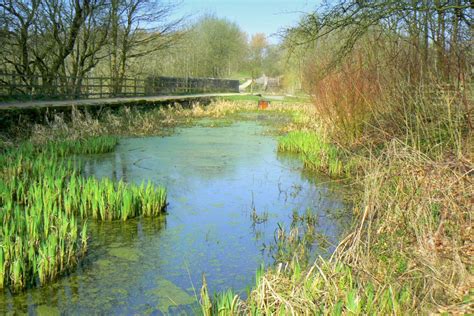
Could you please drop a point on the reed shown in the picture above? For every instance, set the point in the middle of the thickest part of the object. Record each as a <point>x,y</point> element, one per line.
<point>317,153</point>
<point>45,203</point>
<point>137,121</point>
<point>225,303</point>
<point>90,145</point>
<point>410,248</point>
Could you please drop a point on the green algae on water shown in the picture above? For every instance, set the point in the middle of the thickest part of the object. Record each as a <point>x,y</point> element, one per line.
<point>126,253</point>
<point>167,294</point>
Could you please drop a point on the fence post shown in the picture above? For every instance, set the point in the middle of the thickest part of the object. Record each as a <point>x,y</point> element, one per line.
<point>100,87</point>
<point>13,85</point>
<point>31,88</point>
<point>135,87</point>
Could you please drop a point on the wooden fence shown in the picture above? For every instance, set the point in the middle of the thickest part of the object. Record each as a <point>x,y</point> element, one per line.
<point>174,85</point>
<point>34,87</point>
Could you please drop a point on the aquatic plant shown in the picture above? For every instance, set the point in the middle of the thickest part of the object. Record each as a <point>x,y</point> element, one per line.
<point>45,203</point>
<point>223,303</point>
<point>90,145</point>
<point>255,217</point>
<point>410,249</point>
<point>258,218</point>
<point>317,153</point>
<point>297,242</point>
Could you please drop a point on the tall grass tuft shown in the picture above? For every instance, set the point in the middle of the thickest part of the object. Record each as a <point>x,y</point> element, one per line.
<point>317,153</point>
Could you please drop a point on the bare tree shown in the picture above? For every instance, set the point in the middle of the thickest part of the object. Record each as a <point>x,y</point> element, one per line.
<point>56,36</point>
<point>40,35</point>
<point>138,28</point>
<point>18,18</point>
<point>92,39</point>
<point>440,26</point>
<point>64,40</point>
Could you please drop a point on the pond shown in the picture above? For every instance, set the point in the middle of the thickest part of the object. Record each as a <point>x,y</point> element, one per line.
<point>217,179</point>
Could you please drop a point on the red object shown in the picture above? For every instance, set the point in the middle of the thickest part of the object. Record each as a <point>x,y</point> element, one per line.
<point>263,104</point>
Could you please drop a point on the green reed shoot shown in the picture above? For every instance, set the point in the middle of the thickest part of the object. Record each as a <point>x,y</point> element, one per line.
<point>45,203</point>
<point>317,154</point>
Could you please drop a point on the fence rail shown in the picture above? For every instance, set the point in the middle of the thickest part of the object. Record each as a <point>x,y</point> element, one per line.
<point>33,87</point>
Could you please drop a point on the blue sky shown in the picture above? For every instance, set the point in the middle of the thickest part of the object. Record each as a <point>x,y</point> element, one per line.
<point>265,16</point>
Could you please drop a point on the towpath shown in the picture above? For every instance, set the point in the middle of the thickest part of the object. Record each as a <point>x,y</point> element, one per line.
<point>110,101</point>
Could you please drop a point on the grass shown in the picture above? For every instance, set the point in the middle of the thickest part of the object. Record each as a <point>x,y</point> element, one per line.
<point>317,153</point>
<point>255,98</point>
<point>45,204</point>
<point>410,248</point>
<point>244,97</point>
<point>90,145</point>
<point>280,288</point>
<point>129,121</point>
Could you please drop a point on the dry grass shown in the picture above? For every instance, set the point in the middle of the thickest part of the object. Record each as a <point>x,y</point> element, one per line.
<point>131,121</point>
<point>413,228</point>
<point>409,151</point>
<point>410,252</point>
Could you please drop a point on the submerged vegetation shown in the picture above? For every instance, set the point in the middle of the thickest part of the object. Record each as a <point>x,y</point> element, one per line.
<point>411,201</point>
<point>392,117</point>
<point>45,203</point>
<point>409,251</point>
<point>410,248</point>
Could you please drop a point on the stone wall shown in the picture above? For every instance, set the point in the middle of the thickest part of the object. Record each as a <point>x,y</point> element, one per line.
<point>172,85</point>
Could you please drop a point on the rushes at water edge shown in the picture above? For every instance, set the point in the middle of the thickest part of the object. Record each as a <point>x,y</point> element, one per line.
<point>45,203</point>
